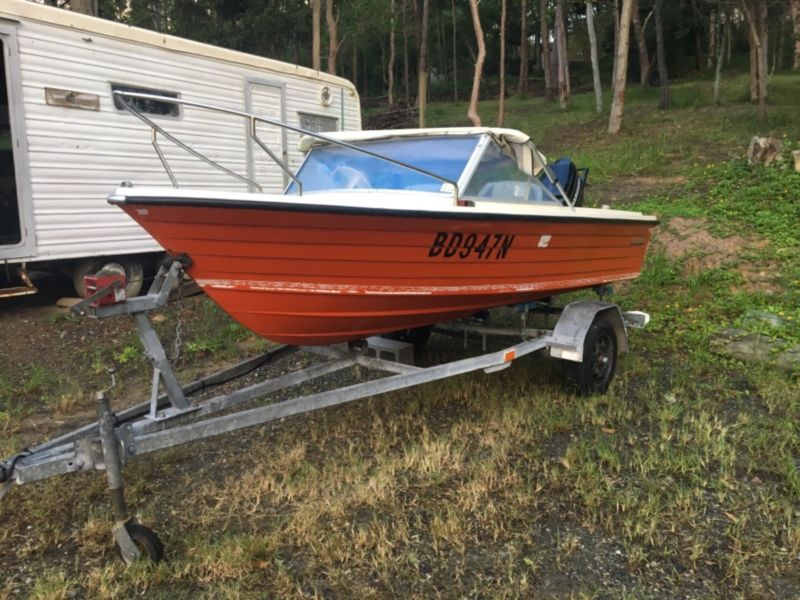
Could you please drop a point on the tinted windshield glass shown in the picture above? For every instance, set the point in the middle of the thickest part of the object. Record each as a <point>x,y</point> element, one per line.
<point>335,167</point>
<point>497,177</point>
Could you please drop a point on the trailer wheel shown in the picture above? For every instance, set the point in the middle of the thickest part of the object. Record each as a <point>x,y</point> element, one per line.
<point>146,541</point>
<point>131,268</point>
<point>594,374</point>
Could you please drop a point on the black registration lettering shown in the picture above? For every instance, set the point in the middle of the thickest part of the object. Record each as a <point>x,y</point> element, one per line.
<point>453,244</point>
<point>465,245</point>
<point>438,244</point>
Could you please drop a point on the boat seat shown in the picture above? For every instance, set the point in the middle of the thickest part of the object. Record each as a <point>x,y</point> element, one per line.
<point>572,179</point>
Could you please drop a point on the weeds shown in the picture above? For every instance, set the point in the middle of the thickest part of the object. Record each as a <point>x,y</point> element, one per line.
<point>682,481</point>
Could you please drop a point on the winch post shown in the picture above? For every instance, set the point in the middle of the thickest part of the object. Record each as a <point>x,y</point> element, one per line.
<point>113,467</point>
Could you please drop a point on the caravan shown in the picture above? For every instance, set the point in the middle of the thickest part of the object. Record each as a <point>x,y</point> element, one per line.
<point>66,141</point>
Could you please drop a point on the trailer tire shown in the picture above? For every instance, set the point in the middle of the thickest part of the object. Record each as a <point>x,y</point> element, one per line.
<point>147,542</point>
<point>132,268</point>
<point>594,374</point>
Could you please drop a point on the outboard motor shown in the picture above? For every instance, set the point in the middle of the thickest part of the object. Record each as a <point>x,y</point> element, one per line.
<point>571,179</point>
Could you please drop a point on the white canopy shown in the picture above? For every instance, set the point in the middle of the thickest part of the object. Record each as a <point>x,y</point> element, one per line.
<point>510,136</point>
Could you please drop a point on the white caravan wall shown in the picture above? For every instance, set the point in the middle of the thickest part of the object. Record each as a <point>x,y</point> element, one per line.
<point>77,157</point>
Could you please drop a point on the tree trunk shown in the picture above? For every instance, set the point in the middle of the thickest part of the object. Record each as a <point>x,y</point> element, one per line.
<point>406,76</point>
<point>86,7</point>
<point>712,39</point>
<point>720,54</point>
<point>316,62</point>
<point>698,43</point>
<point>472,112</point>
<point>778,51</point>
<point>563,56</point>
<point>333,41</point>
<point>422,79</point>
<point>354,64</point>
<point>663,77</point>
<point>728,38</point>
<point>455,53</point>
<point>641,44</point>
<point>501,109</point>
<point>598,89</point>
<point>548,71</point>
<point>616,45</point>
<point>795,7</point>
<point>522,84</point>
<point>756,14</point>
<point>390,86</point>
<point>618,103</point>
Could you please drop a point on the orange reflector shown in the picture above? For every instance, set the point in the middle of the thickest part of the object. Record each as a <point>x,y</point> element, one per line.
<point>509,356</point>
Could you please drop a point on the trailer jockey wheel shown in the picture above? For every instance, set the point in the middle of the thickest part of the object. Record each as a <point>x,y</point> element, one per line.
<point>131,268</point>
<point>594,374</point>
<point>146,541</point>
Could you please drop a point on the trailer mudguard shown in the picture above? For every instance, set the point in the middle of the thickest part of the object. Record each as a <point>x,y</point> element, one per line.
<point>577,317</point>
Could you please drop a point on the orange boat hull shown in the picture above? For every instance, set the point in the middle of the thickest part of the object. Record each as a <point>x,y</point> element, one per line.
<point>325,275</point>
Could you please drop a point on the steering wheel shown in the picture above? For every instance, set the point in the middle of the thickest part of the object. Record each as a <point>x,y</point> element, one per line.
<point>350,177</point>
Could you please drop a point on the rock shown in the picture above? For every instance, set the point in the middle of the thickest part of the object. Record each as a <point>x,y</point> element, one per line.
<point>763,151</point>
<point>747,347</point>
<point>754,318</point>
<point>789,360</point>
<point>796,157</point>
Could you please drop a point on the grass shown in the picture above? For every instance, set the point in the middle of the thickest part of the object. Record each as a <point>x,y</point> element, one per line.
<point>682,481</point>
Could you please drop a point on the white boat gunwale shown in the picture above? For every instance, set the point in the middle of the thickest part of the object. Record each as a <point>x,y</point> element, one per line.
<point>386,202</point>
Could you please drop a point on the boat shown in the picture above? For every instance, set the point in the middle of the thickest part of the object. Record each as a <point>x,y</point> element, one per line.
<point>393,231</point>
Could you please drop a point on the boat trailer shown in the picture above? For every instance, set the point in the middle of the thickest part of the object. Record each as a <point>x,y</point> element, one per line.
<point>587,335</point>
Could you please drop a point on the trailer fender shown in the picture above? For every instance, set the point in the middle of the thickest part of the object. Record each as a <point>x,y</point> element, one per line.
<point>566,342</point>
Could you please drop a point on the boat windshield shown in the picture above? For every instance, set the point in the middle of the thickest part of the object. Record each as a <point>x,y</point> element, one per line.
<point>498,178</point>
<point>336,167</point>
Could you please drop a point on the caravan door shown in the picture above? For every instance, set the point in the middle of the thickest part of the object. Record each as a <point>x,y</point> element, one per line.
<point>16,212</point>
<point>266,98</point>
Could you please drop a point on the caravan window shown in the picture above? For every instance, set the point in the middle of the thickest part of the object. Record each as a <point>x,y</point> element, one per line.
<point>161,108</point>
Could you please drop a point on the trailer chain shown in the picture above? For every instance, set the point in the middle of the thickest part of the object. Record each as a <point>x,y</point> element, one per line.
<point>7,468</point>
<point>176,352</point>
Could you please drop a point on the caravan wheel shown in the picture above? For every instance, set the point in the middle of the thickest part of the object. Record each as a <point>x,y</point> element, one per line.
<point>131,268</point>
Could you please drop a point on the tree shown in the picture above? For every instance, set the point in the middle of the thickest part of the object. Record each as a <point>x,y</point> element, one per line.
<point>522,84</point>
<point>501,116</point>
<point>472,112</point>
<point>455,53</point>
<point>545,33</point>
<point>641,43</point>
<point>422,86</point>
<point>663,77</point>
<point>390,90</point>
<point>87,7</point>
<point>598,90</point>
<point>697,28</point>
<point>406,76</point>
<point>795,8</point>
<point>333,42</point>
<point>756,13</point>
<point>618,103</point>
<point>719,53</point>
<point>316,62</point>
<point>563,56</point>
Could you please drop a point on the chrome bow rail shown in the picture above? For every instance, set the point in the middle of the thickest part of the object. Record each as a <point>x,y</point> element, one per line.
<point>252,119</point>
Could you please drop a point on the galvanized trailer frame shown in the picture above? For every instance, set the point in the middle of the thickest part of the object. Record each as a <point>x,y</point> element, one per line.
<point>170,418</point>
